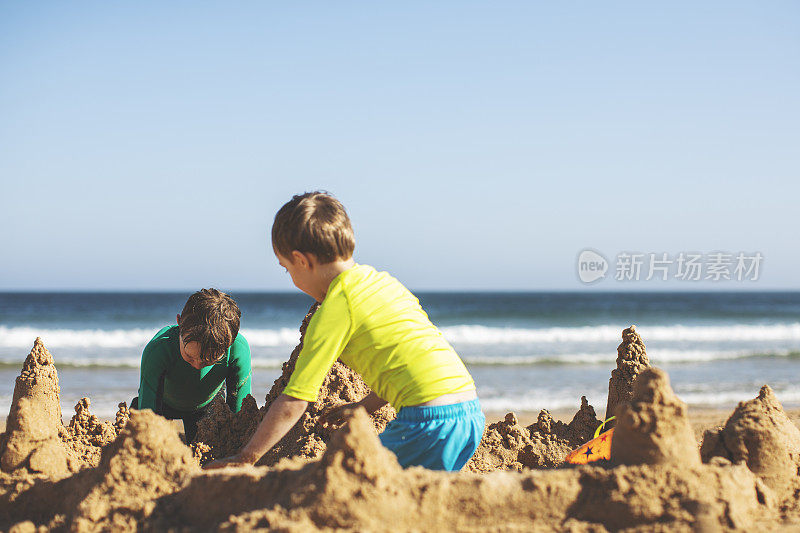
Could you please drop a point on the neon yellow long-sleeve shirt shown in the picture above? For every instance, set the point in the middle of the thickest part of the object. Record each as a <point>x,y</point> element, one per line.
<point>376,326</point>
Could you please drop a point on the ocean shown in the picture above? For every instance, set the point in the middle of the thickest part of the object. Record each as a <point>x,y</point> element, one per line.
<point>526,351</point>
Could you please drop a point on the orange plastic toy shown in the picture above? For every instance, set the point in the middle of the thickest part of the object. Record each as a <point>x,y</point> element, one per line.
<point>594,450</point>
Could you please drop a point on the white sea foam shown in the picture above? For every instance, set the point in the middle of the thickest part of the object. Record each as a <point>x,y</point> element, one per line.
<point>477,334</point>
<point>659,356</point>
<point>261,362</point>
<point>22,337</point>
<point>100,363</point>
<point>535,400</point>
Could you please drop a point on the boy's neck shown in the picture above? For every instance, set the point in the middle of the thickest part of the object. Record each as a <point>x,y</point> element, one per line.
<point>328,272</point>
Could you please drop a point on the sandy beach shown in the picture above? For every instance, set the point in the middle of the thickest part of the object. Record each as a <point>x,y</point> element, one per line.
<point>699,418</point>
<point>329,238</point>
<point>671,468</point>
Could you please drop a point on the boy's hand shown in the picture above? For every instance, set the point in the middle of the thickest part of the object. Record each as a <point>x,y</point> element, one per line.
<point>336,415</point>
<point>233,460</point>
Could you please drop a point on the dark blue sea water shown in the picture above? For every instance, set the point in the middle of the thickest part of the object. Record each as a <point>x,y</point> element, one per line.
<point>526,351</point>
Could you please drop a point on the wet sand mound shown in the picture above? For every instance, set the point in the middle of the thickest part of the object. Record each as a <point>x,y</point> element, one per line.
<point>222,433</point>
<point>357,485</point>
<point>36,441</point>
<point>500,446</point>
<point>652,428</point>
<point>147,480</point>
<point>508,446</point>
<point>632,360</point>
<point>31,441</point>
<point>760,435</point>
<point>146,462</point>
<point>659,477</point>
<point>544,444</point>
<point>86,434</point>
<point>665,498</point>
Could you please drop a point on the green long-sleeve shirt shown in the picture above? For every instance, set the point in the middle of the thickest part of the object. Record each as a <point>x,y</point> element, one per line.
<point>185,387</point>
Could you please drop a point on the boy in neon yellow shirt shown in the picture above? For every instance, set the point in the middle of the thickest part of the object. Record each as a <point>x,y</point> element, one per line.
<point>376,326</point>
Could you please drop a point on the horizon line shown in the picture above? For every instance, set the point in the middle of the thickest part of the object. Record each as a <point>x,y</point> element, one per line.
<point>585,290</point>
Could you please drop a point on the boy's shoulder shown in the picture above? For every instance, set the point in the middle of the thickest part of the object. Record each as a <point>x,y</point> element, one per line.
<point>365,287</point>
<point>240,342</point>
<point>164,340</point>
<point>362,273</point>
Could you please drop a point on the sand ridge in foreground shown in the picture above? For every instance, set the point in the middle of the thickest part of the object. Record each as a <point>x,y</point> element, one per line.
<point>146,478</point>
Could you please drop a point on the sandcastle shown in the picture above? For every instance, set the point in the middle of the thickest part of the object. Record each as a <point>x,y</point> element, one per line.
<point>652,428</point>
<point>506,445</point>
<point>31,440</point>
<point>36,441</point>
<point>544,444</point>
<point>761,436</point>
<point>145,478</point>
<point>632,360</point>
<point>86,434</point>
<point>147,461</point>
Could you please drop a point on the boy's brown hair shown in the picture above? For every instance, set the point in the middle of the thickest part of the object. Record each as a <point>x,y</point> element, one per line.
<point>314,222</point>
<point>211,318</point>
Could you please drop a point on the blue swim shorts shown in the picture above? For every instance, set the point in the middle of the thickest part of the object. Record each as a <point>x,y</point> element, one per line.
<point>439,437</point>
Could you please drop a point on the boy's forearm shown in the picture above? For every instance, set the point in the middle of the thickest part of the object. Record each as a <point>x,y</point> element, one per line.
<point>372,402</point>
<point>236,394</point>
<point>147,395</point>
<point>282,415</point>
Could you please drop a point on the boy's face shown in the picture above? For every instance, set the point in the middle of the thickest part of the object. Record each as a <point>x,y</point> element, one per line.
<point>300,268</point>
<point>191,351</point>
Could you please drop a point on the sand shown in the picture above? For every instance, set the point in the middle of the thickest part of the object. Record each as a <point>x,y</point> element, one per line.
<point>761,435</point>
<point>506,445</point>
<point>36,441</point>
<point>744,478</point>
<point>31,441</point>
<point>652,428</point>
<point>86,434</point>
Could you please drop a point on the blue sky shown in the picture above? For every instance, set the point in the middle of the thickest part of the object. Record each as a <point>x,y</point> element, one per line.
<point>476,145</point>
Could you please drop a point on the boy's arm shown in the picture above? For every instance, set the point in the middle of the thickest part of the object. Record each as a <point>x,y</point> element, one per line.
<point>154,363</point>
<point>238,383</point>
<point>327,334</point>
<point>282,415</point>
<point>336,415</point>
<point>372,402</point>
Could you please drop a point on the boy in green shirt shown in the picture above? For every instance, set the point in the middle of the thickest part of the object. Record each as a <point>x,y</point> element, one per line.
<point>185,366</point>
<point>370,321</point>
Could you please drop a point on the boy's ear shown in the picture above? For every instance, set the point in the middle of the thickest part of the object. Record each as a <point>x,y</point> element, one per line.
<point>178,319</point>
<point>306,260</point>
